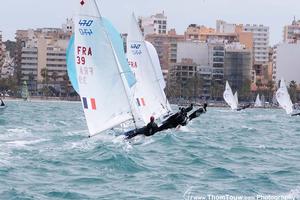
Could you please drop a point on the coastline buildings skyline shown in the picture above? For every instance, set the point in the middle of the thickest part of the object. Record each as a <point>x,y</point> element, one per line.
<point>173,50</point>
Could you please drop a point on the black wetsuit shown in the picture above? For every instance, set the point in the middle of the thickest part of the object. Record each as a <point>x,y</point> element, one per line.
<point>244,107</point>
<point>148,130</point>
<point>297,114</point>
<point>179,118</point>
<point>197,113</point>
<point>2,103</point>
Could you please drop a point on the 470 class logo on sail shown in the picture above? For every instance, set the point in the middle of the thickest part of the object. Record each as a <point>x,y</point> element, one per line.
<point>135,48</point>
<point>85,24</point>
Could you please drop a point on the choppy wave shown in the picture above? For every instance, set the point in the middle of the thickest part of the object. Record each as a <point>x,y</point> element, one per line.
<point>45,154</point>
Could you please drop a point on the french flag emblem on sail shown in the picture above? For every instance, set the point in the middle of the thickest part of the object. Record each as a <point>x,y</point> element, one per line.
<point>140,102</point>
<point>89,103</point>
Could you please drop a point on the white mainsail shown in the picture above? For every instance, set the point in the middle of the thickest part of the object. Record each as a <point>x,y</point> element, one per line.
<point>283,98</point>
<point>148,91</point>
<point>236,98</point>
<point>258,102</point>
<point>159,75</point>
<point>229,98</point>
<point>103,83</point>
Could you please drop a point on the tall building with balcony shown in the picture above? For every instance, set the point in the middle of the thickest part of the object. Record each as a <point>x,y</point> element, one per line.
<point>216,59</point>
<point>291,33</point>
<point>155,24</point>
<point>260,50</point>
<point>237,67</point>
<point>166,47</point>
<point>41,57</point>
<point>260,42</point>
<point>202,33</point>
<point>188,79</point>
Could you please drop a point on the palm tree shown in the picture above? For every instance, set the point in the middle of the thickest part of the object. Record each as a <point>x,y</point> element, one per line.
<point>66,84</point>
<point>54,76</point>
<point>216,89</point>
<point>45,75</point>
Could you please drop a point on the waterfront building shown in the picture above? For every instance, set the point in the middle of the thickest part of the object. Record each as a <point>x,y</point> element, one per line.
<point>155,24</point>
<point>166,47</point>
<point>237,66</point>
<point>291,33</point>
<point>288,62</point>
<point>190,80</point>
<point>41,58</point>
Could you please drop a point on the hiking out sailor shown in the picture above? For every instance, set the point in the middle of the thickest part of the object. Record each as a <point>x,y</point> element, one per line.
<point>179,118</point>
<point>244,107</point>
<point>198,112</point>
<point>150,129</point>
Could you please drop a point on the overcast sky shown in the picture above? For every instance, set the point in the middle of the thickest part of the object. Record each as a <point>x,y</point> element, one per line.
<point>24,14</point>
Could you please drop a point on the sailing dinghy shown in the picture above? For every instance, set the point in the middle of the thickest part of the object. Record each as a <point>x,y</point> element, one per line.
<point>284,100</point>
<point>99,71</point>
<point>149,88</point>
<point>229,98</point>
<point>258,102</point>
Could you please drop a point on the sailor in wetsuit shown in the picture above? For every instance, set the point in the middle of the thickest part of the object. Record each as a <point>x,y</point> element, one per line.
<point>198,112</point>
<point>148,130</point>
<point>179,118</point>
<point>2,103</point>
<point>244,107</point>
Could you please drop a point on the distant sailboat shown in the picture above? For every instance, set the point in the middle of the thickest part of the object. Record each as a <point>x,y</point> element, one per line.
<point>258,102</point>
<point>149,89</point>
<point>229,98</point>
<point>283,98</point>
<point>99,71</point>
<point>236,98</point>
<point>24,92</point>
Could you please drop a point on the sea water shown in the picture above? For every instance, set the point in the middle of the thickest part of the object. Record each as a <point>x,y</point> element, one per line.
<point>45,154</point>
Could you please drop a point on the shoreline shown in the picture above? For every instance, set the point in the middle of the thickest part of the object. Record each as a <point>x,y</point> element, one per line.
<point>73,100</point>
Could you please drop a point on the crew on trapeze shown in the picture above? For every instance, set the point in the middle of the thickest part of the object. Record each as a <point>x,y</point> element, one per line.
<point>181,118</point>
<point>244,107</point>
<point>150,129</point>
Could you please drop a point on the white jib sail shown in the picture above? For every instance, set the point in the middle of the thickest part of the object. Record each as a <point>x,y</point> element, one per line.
<point>149,95</point>
<point>229,98</point>
<point>159,75</point>
<point>283,98</point>
<point>101,86</point>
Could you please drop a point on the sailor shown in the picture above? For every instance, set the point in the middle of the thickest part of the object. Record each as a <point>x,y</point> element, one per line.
<point>150,129</point>
<point>296,114</point>
<point>178,119</point>
<point>244,107</point>
<point>198,112</point>
<point>2,103</point>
